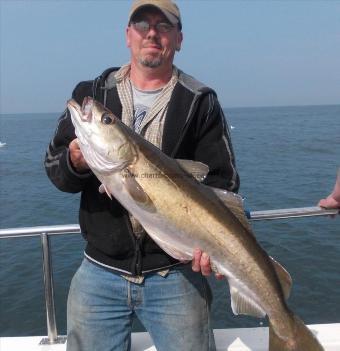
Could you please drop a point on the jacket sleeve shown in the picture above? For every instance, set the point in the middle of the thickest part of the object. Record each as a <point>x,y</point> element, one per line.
<point>214,147</point>
<point>57,159</point>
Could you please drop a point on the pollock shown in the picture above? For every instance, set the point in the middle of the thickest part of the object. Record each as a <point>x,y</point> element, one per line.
<point>181,214</point>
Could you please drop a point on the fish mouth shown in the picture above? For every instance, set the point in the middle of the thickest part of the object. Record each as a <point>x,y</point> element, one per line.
<point>73,105</point>
<point>84,111</point>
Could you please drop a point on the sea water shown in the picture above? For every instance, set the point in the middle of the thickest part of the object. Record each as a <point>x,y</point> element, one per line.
<point>286,156</point>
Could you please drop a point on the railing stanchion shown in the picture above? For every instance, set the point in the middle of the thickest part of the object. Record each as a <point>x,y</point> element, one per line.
<point>49,293</point>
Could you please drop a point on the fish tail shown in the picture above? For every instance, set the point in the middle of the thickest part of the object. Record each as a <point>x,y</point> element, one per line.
<point>302,340</point>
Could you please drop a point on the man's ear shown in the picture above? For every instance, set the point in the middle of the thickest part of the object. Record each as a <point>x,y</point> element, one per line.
<point>127,37</point>
<point>179,41</point>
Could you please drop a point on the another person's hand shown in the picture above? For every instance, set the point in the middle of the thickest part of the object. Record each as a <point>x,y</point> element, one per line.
<point>333,199</point>
<point>329,202</point>
<point>77,158</point>
<point>201,263</point>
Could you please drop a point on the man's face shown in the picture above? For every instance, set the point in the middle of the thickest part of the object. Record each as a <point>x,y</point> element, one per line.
<point>153,47</point>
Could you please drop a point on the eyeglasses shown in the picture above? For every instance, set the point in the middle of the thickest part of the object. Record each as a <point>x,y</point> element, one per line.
<point>144,26</point>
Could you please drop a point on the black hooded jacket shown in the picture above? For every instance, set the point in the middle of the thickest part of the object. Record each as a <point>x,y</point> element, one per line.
<point>195,129</point>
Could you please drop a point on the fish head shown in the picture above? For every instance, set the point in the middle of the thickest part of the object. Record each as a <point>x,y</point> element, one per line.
<point>102,137</point>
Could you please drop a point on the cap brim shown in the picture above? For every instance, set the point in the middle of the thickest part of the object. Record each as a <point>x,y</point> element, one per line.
<point>170,17</point>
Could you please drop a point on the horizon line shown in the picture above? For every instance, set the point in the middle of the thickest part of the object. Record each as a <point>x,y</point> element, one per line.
<point>223,108</point>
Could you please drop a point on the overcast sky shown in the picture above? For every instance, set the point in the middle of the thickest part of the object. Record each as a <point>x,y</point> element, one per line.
<point>253,53</point>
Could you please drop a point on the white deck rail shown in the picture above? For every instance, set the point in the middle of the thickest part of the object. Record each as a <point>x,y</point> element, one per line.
<point>45,231</point>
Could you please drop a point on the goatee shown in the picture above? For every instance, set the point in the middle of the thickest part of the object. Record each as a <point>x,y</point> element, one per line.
<point>151,63</point>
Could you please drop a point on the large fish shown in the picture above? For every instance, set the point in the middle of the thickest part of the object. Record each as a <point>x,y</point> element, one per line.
<point>181,214</point>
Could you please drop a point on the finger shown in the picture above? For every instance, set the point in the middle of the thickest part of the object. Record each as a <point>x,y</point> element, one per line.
<point>329,202</point>
<point>322,203</point>
<point>75,155</point>
<point>219,276</point>
<point>74,144</point>
<point>77,159</point>
<point>205,264</point>
<point>196,267</point>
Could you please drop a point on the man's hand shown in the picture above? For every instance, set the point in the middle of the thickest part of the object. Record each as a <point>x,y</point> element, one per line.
<point>201,263</point>
<point>77,158</point>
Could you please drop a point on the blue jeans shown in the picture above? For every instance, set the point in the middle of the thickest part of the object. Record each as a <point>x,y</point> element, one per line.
<point>174,310</point>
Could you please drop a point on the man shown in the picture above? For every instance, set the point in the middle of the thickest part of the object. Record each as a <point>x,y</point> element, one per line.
<point>124,272</point>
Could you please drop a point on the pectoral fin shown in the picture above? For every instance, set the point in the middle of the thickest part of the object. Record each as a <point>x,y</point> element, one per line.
<point>103,189</point>
<point>138,194</point>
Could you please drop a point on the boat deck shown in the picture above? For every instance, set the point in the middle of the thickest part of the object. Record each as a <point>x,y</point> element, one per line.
<point>240,339</point>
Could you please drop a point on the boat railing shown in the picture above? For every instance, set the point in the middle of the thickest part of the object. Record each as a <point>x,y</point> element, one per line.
<point>44,232</point>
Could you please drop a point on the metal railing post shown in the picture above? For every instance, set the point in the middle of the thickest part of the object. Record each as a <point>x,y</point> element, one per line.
<point>52,332</point>
<point>49,293</point>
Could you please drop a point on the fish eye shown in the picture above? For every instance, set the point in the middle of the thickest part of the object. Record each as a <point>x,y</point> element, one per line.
<point>107,119</point>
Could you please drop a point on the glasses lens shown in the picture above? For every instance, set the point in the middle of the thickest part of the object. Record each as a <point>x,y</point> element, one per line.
<point>144,26</point>
<point>141,26</point>
<point>164,27</point>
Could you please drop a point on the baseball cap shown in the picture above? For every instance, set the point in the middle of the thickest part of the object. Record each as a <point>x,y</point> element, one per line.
<point>167,7</point>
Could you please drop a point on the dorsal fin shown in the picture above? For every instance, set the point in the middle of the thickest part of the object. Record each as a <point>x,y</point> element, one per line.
<point>197,169</point>
<point>234,202</point>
